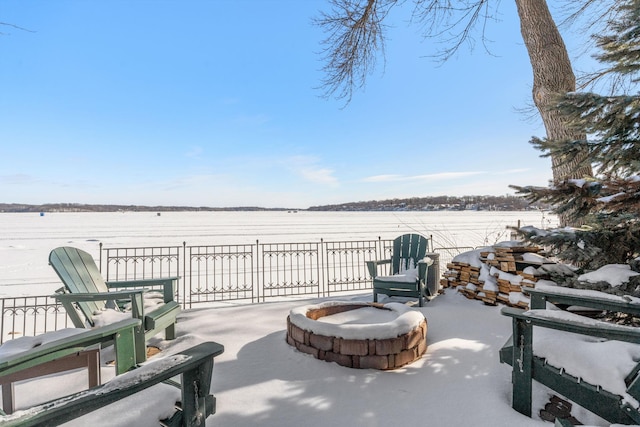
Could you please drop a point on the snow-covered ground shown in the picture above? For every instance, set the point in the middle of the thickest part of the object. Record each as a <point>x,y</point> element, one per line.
<point>262,381</point>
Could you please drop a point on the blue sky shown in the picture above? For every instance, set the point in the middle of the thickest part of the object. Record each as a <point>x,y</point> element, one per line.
<point>216,103</point>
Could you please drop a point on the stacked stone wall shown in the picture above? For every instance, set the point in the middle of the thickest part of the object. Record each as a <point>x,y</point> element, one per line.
<point>389,353</point>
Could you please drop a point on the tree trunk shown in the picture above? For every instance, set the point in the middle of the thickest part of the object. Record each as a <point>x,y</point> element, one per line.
<point>552,75</point>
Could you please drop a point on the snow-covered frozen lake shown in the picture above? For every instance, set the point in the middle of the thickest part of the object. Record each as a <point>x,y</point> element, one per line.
<point>27,238</point>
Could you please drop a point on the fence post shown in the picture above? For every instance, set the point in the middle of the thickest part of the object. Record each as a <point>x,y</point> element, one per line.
<point>184,279</point>
<point>100,256</point>
<point>2,322</point>
<point>257,277</point>
<point>322,289</point>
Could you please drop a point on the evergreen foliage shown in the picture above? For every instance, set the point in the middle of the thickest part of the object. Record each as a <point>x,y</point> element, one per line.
<point>609,202</point>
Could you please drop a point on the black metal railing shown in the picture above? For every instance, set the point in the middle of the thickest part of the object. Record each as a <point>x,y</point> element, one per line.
<point>252,272</point>
<point>290,269</point>
<point>30,316</point>
<point>344,263</point>
<point>218,273</point>
<point>214,273</point>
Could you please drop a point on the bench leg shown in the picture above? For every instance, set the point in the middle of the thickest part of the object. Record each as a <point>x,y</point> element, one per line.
<point>93,366</point>
<point>197,403</point>
<point>170,332</point>
<point>137,311</point>
<point>8,402</point>
<point>140,343</point>
<point>522,366</point>
<point>126,344</point>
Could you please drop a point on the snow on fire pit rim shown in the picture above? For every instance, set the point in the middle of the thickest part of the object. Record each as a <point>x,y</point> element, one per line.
<point>406,321</point>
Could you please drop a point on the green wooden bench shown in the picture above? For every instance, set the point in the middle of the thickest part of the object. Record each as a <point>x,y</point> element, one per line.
<point>194,365</point>
<point>560,296</point>
<point>86,290</point>
<point>76,351</point>
<point>527,366</point>
<point>409,252</point>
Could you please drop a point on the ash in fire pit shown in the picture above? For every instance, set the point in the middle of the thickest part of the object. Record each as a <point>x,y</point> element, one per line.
<point>359,335</point>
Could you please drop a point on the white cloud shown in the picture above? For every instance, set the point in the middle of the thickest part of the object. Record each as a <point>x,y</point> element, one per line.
<point>511,171</point>
<point>318,175</point>
<point>307,167</point>
<point>428,177</point>
<point>384,178</point>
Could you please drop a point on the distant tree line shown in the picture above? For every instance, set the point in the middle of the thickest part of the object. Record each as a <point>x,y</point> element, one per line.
<point>435,203</point>
<point>496,203</point>
<point>79,207</point>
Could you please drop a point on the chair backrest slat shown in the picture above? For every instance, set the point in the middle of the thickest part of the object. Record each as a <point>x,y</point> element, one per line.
<point>80,274</point>
<point>408,249</point>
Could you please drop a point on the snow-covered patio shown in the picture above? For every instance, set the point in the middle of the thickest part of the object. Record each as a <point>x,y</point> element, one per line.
<point>262,381</point>
<point>458,381</point>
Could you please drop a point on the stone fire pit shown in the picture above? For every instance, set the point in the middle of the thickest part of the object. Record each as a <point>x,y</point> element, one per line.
<point>359,335</point>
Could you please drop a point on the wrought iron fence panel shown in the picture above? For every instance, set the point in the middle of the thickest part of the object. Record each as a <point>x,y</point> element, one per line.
<point>141,263</point>
<point>30,316</point>
<point>219,273</point>
<point>345,264</point>
<point>290,269</point>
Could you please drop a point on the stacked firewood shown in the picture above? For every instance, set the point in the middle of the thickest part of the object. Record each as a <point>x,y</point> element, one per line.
<point>465,277</point>
<point>496,274</point>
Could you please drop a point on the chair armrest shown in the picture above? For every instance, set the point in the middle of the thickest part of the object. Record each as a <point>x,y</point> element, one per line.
<point>569,322</point>
<point>135,295</point>
<point>98,296</point>
<point>423,268</point>
<point>168,285</point>
<point>426,260</point>
<point>372,266</point>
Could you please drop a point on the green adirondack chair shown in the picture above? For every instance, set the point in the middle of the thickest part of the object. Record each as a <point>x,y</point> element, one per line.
<point>86,294</point>
<point>408,268</point>
<point>80,350</point>
<point>527,366</point>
